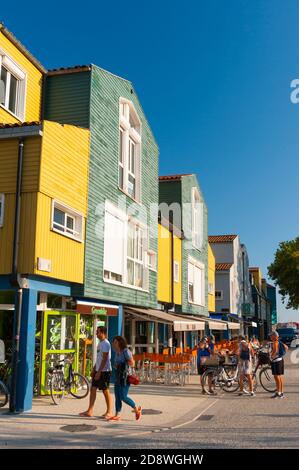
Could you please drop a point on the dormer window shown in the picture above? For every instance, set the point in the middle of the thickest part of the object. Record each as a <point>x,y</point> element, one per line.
<point>12,87</point>
<point>129,150</point>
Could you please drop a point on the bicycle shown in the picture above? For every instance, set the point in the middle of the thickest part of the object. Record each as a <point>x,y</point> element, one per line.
<point>60,386</point>
<point>265,376</point>
<point>225,376</point>
<point>5,378</point>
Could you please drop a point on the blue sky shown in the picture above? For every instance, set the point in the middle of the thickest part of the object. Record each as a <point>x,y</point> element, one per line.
<point>214,79</point>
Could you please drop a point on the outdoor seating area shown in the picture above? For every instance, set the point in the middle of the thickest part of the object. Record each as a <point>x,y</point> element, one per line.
<point>167,369</point>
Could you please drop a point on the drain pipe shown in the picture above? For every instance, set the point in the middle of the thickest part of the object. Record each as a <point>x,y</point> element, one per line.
<point>16,281</point>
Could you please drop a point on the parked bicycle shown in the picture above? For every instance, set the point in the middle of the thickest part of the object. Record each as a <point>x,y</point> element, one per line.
<point>5,379</point>
<point>60,386</point>
<point>225,376</point>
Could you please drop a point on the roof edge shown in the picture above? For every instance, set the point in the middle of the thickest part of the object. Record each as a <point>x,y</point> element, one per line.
<point>22,48</point>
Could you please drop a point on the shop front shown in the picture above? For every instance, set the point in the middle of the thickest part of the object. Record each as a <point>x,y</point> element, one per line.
<point>72,334</point>
<point>152,331</point>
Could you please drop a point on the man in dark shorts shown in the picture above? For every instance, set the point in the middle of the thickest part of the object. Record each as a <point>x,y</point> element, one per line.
<point>277,363</point>
<point>101,374</point>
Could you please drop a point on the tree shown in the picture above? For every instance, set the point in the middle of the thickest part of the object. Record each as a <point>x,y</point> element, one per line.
<point>285,271</point>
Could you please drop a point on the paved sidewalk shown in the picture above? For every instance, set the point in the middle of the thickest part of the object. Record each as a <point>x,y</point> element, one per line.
<point>41,427</point>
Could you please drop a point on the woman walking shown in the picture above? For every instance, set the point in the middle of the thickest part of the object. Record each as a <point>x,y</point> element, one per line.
<point>123,360</point>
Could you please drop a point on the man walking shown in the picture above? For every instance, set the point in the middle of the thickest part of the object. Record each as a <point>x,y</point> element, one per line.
<point>101,374</point>
<point>277,351</point>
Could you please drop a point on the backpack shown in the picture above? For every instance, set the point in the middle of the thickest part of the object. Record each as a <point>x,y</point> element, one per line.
<point>281,349</point>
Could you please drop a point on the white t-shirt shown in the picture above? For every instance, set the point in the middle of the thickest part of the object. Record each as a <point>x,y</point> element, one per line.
<point>104,347</point>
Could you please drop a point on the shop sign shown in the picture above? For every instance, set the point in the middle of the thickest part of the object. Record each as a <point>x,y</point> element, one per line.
<point>86,308</point>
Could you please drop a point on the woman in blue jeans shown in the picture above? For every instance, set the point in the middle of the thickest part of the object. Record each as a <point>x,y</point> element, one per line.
<point>123,360</point>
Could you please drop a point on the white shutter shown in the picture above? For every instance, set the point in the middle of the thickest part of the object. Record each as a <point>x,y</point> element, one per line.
<point>190,273</point>
<point>114,244</point>
<point>200,224</point>
<point>197,285</point>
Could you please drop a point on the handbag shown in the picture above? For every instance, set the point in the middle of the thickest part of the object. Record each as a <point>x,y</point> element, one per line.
<point>133,379</point>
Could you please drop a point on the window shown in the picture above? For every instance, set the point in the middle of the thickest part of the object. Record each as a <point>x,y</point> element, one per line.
<point>197,220</point>
<point>126,256</point>
<point>211,288</point>
<point>136,249</point>
<point>219,294</point>
<point>114,245</point>
<point>2,197</point>
<point>67,221</point>
<point>12,87</point>
<point>176,271</point>
<point>196,282</point>
<point>152,260</point>
<point>129,150</point>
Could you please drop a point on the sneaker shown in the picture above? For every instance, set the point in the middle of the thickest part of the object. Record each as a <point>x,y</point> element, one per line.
<point>138,413</point>
<point>275,395</point>
<point>212,392</point>
<point>252,394</point>
<point>240,394</point>
<point>281,395</point>
<point>245,392</point>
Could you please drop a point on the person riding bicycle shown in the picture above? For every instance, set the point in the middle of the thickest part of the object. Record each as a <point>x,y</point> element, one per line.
<point>245,366</point>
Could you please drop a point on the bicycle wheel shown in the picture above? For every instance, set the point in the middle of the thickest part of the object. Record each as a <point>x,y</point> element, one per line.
<point>3,394</point>
<point>209,378</point>
<point>230,380</point>
<point>79,387</point>
<point>57,387</point>
<point>267,379</point>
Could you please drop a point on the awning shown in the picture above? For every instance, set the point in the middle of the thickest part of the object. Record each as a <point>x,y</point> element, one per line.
<point>212,324</point>
<point>179,323</point>
<point>217,325</point>
<point>233,325</point>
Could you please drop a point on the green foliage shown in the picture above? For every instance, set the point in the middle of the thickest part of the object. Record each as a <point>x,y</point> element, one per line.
<point>285,272</point>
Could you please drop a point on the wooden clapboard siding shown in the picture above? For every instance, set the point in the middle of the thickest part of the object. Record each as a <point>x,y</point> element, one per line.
<point>66,255</point>
<point>9,163</point>
<point>27,234</point>
<point>65,164</point>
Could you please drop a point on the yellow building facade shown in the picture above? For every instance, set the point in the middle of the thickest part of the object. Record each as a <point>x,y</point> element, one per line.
<point>22,81</point>
<point>54,191</point>
<point>169,264</point>
<point>211,280</point>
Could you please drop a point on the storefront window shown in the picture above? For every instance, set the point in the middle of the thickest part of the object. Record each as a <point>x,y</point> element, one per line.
<point>61,332</point>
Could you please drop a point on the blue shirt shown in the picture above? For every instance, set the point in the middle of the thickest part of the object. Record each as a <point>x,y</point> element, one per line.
<point>204,352</point>
<point>123,356</point>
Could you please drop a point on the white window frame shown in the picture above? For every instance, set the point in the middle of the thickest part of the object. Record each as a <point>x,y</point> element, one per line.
<point>2,201</point>
<point>200,266</point>
<point>14,70</point>
<point>139,228</point>
<point>176,272</point>
<point>130,133</point>
<point>77,233</point>
<point>221,294</point>
<point>197,219</point>
<point>152,260</point>
<point>112,209</point>
<point>211,288</point>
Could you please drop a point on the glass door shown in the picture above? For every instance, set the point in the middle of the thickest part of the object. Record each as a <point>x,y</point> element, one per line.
<point>60,339</point>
